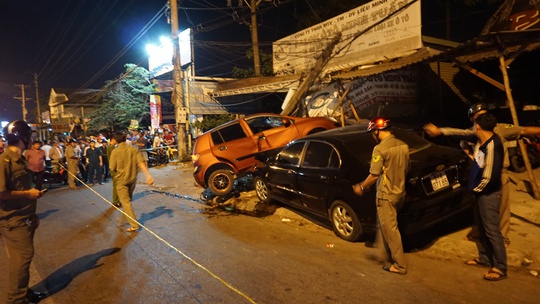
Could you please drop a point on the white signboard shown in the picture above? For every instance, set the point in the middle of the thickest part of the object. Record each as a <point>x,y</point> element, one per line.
<point>394,35</point>
<point>161,59</point>
<point>391,94</point>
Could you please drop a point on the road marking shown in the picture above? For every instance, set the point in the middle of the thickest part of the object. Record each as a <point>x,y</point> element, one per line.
<point>227,284</point>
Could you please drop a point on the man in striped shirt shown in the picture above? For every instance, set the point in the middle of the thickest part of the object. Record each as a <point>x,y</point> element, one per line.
<point>485,183</point>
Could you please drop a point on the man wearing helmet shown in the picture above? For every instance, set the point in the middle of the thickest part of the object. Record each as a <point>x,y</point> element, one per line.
<point>18,219</point>
<point>506,132</point>
<point>389,166</point>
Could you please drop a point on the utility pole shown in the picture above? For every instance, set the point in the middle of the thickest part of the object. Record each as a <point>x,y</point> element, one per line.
<point>37,100</point>
<point>252,4</point>
<point>255,36</point>
<point>23,99</point>
<point>177,95</point>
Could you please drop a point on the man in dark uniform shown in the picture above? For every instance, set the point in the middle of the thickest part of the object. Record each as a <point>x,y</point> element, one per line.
<point>95,161</point>
<point>389,166</point>
<point>18,219</point>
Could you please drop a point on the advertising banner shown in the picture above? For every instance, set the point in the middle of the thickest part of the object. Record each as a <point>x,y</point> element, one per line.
<point>396,32</point>
<point>155,111</point>
<point>390,94</point>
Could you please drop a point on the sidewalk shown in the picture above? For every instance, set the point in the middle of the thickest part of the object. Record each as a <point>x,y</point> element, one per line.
<point>177,179</point>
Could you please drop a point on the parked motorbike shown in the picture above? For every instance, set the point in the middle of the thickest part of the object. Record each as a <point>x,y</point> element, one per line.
<point>55,174</point>
<point>157,157</point>
<point>532,145</point>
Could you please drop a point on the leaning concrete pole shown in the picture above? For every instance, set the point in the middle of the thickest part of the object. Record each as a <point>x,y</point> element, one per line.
<point>296,99</point>
<point>512,107</point>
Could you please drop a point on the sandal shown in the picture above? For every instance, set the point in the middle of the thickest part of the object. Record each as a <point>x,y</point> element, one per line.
<point>494,275</point>
<point>476,262</point>
<point>393,269</point>
<point>131,229</point>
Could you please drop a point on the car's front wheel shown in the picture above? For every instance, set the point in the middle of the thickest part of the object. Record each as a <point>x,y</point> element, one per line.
<point>344,221</point>
<point>221,182</point>
<point>261,188</point>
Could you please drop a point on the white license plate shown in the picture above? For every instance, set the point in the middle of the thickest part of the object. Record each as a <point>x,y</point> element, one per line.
<point>439,181</point>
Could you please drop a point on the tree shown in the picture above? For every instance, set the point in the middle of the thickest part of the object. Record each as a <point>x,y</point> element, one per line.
<point>266,66</point>
<point>212,121</point>
<point>123,100</point>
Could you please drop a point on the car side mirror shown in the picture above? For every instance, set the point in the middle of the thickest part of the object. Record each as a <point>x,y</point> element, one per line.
<point>286,122</point>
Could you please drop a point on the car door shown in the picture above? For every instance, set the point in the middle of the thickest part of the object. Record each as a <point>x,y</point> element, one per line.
<point>317,175</point>
<point>282,174</point>
<point>271,131</point>
<point>231,143</point>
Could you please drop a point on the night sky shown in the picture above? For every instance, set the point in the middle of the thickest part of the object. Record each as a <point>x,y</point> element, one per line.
<point>70,42</point>
<point>80,44</point>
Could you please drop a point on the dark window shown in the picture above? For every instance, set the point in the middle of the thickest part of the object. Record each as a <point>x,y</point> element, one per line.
<point>320,155</point>
<point>262,123</point>
<point>229,133</point>
<point>291,154</point>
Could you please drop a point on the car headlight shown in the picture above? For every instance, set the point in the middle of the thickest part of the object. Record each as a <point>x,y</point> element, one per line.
<point>195,157</point>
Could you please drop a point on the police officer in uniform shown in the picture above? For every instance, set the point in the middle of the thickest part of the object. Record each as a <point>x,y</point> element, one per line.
<point>389,166</point>
<point>73,155</point>
<point>18,219</point>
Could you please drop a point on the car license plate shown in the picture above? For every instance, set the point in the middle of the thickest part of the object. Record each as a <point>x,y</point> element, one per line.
<point>439,181</point>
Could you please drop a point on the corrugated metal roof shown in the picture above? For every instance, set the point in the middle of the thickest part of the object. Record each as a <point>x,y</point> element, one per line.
<point>419,55</point>
<point>493,45</point>
<point>255,85</point>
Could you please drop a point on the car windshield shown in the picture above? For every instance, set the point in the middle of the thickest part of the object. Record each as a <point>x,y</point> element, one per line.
<point>364,147</point>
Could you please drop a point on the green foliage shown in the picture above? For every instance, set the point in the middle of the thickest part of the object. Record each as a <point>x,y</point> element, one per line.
<point>123,100</point>
<point>267,68</point>
<point>212,121</point>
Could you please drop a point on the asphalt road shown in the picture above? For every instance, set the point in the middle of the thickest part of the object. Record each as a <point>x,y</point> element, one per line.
<point>192,253</point>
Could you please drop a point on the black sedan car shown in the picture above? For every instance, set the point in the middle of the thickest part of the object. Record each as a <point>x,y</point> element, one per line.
<point>316,174</point>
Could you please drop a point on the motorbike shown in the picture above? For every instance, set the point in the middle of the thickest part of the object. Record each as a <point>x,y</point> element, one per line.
<point>55,174</point>
<point>157,157</point>
<point>532,145</point>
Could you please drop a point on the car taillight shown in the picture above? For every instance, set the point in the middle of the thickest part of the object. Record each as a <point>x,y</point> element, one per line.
<point>195,157</point>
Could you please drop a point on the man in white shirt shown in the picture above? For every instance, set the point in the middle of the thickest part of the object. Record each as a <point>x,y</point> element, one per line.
<point>47,147</point>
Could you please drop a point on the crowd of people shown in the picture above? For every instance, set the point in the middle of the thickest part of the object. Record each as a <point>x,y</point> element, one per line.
<point>86,158</point>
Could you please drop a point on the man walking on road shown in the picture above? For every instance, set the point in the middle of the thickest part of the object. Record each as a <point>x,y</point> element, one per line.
<point>18,219</point>
<point>124,162</point>
<point>389,166</point>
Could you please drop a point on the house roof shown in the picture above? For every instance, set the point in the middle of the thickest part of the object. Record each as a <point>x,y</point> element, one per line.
<point>493,45</point>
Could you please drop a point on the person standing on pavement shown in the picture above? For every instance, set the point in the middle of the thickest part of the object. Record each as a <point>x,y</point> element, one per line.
<point>141,144</point>
<point>36,163</point>
<point>95,161</point>
<point>73,155</point>
<point>110,148</point>
<point>389,166</point>
<point>507,132</point>
<point>486,184</point>
<point>124,162</point>
<point>46,148</point>
<point>104,147</point>
<point>18,219</point>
